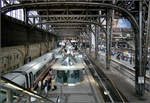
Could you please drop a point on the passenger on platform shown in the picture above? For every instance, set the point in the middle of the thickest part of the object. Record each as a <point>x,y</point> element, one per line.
<point>118,56</point>
<point>131,60</point>
<point>39,86</point>
<point>46,87</point>
<point>50,72</point>
<point>53,86</point>
<point>83,71</point>
<point>147,65</point>
<point>33,99</point>
<point>49,82</point>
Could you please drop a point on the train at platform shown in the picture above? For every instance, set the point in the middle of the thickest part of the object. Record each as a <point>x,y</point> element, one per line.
<point>28,75</point>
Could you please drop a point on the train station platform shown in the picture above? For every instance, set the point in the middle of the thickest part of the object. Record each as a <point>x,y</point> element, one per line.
<point>122,82</point>
<point>84,92</point>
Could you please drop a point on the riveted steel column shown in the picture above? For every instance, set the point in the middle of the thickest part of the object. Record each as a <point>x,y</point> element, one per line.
<point>140,62</point>
<point>148,28</point>
<point>90,33</point>
<point>0,40</point>
<point>96,41</point>
<point>81,42</point>
<point>90,43</point>
<point>108,38</point>
<point>25,14</point>
<point>89,37</point>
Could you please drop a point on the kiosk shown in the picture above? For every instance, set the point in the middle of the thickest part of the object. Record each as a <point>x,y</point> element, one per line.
<point>69,70</point>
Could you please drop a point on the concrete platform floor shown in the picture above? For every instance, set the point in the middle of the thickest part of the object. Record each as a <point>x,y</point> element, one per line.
<point>85,92</point>
<point>123,83</point>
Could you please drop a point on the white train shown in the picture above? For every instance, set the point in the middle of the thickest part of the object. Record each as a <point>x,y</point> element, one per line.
<point>26,75</point>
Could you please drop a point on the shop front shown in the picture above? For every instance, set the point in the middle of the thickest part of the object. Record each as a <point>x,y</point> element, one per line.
<point>69,76</point>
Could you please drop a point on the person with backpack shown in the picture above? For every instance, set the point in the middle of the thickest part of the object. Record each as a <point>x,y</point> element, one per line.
<point>46,87</point>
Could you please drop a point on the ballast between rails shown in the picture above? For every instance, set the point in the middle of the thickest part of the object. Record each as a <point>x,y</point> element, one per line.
<point>132,73</point>
<point>129,68</point>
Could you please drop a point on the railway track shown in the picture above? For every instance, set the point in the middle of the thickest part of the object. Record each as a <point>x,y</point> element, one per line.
<point>109,91</point>
<point>129,72</point>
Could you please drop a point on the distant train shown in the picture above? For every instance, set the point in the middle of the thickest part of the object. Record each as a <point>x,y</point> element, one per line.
<point>26,75</point>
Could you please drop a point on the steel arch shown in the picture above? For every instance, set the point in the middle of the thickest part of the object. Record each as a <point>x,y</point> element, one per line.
<point>105,5</point>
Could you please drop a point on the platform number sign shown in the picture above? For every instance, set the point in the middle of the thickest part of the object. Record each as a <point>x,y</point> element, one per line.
<point>141,80</point>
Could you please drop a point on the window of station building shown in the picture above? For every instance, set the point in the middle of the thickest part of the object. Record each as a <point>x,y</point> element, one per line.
<point>6,59</point>
<point>17,66</point>
<point>1,60</point>
<point>18,14</point>
<point>10,58</point>
<point>17,56</point>
<point>14,67</point>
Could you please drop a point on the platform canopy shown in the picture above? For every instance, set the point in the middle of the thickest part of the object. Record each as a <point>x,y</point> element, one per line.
<point>68,62</point>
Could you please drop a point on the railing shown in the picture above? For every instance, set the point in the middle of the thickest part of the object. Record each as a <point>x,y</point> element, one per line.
<point>11,92</point>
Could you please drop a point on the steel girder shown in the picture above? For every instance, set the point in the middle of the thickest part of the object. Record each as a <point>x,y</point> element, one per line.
<point>67,16</point>
<point>104,5</point>
<point>108,37</point>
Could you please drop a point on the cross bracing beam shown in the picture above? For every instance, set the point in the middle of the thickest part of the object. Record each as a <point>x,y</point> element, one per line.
<point>69,17</point>
<point>75,9</point>
<point>67,24</point>
<point>68,27</point>
<point>73,30</point>
<point>74,21</point>
<point>75,16</point>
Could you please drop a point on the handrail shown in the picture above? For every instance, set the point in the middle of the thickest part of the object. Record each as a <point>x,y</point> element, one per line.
<point>11,85</point>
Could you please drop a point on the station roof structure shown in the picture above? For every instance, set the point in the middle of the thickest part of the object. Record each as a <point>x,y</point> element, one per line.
<point>71,17</point>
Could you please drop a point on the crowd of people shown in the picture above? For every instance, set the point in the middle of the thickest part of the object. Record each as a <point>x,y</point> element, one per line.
<point>125,57</point>
<point>48,83</point>
<point>121,56</point>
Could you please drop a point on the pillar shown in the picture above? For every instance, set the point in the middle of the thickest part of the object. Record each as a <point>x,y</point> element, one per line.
<point>90,39</point>
<point>25,12</point>
<point>140,61</point>
<point>108,38</point>
<point>96,41</point>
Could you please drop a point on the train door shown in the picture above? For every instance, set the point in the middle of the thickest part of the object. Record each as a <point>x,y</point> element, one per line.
<point>31,78</point>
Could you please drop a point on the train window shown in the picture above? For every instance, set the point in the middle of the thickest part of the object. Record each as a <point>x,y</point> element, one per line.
<point>34,77</point>
<point>2,60</point>
<point>17,56</point>
<point>17,65</point>
<point>4,65</point>
<point>38,73</point>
